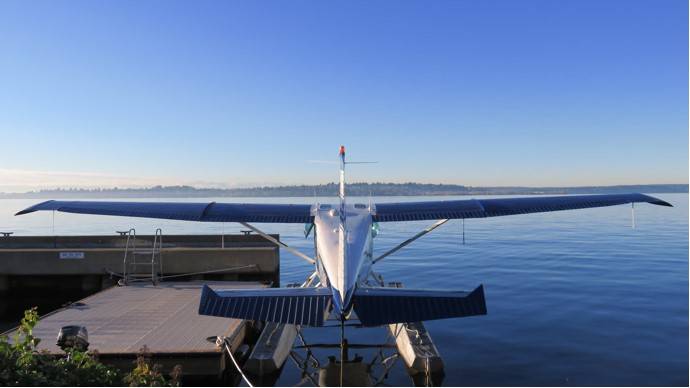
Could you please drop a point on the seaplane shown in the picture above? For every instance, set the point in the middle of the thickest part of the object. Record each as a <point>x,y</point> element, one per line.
<point>344,280</point>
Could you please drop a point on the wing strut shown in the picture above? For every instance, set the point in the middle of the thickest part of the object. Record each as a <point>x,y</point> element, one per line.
<point>411,239</point>
<point>278,242</point>
<point>633,215</point>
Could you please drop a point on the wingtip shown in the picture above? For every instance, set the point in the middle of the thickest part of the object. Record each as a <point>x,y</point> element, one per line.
<point>651,200</point>
<point>657,201</point>
<point>33,208</point>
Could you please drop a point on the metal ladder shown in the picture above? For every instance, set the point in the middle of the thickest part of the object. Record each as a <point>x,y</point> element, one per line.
<point>143,264</point>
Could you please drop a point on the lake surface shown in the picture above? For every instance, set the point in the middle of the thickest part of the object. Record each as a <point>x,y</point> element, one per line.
<point>574,297</point>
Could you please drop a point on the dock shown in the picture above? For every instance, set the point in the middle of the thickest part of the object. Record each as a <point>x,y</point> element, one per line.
<point>121,321</point>
<point>101,255</point>
<point>88,281</point>
<point>48,271</point>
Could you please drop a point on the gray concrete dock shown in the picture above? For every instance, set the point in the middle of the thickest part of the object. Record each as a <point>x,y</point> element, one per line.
<point>96,255</point>
<point>47,271</point>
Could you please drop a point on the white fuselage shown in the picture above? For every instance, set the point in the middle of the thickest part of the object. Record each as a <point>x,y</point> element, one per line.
<point>344,248</point>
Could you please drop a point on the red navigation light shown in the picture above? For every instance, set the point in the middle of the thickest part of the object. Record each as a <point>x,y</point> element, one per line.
<point>342,150</point>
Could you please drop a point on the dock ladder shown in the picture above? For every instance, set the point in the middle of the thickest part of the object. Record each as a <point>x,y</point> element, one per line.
<point>143,264</point>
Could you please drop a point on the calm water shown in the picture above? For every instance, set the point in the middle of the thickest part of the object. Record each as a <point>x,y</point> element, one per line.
<point>574,298</point>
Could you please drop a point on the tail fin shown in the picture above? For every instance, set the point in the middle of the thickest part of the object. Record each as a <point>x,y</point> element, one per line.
<point>379,306</point>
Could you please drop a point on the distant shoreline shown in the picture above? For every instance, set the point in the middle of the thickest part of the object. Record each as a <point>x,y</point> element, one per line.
<point>330,189</point>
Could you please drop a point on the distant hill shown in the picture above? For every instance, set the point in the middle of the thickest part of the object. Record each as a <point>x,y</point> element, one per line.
<point>331,189</point>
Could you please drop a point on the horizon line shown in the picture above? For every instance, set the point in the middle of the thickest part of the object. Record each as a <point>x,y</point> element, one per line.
<point>202,188</point>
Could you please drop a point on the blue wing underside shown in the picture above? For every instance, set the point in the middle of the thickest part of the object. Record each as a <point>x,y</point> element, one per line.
<point>185,211</point>
<point>494,207</point>
<point>299,213</point>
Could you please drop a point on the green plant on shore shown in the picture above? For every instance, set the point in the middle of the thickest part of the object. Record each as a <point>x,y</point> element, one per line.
<point>21,364</point>
<point>146,374</point>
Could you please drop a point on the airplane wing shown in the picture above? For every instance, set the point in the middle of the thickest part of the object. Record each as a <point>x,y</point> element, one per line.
<point>285,213</point>
<point>187,211</point>
<point>480,208</point>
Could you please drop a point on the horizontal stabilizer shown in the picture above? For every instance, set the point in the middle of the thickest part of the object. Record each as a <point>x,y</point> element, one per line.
<point>380,306</point>
<point>295,306</point>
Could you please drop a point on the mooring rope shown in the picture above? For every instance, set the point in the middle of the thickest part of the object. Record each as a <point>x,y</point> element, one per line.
<point>113,273</point>
<point>237,366</point>
<point>209,271</point>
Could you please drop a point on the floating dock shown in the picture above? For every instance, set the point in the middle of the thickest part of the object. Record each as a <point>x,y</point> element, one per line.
<point>121,321</point>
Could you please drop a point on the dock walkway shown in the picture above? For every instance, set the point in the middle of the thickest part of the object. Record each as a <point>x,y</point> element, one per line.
<point>164,318</point>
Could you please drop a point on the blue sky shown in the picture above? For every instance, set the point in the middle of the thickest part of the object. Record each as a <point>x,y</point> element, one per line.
<point>234,93</point>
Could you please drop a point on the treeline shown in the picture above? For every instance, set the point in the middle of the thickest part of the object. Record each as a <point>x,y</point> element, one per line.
<point>331,189</point>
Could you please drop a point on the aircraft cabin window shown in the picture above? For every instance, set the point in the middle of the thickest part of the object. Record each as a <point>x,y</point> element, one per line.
<point>360,206</point>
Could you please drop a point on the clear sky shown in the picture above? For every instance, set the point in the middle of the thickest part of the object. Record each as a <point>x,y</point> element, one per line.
<point>235,93</point>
